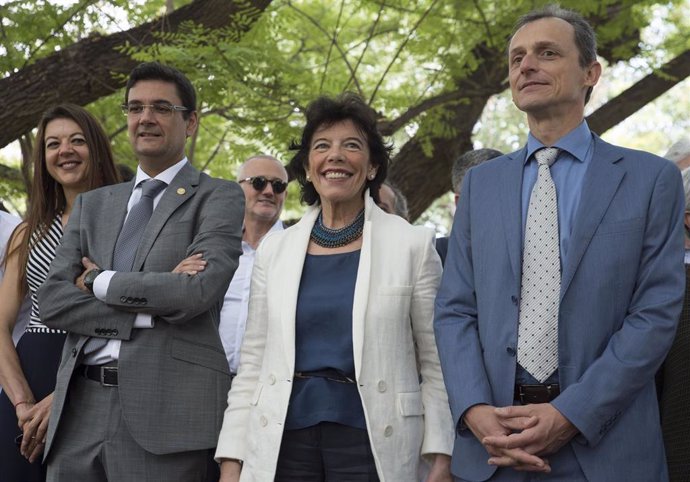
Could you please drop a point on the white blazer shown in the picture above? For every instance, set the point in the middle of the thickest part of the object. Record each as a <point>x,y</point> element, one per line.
<point>393,342</point>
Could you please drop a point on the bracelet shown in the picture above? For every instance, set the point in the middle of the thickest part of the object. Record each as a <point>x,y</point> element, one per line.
<point>22,401</point>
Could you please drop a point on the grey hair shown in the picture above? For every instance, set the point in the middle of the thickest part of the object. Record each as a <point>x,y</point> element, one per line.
<point>467,160</point>
<point>685,173</point>
<point>400,207</point>
<point>240,169</point>
<point>679,150</point>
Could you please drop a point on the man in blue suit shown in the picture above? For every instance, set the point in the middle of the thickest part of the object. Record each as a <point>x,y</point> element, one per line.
<point>573,396</point>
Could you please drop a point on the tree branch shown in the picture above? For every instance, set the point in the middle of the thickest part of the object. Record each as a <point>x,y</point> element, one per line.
<point>96,66</point>
<point>640,94</point>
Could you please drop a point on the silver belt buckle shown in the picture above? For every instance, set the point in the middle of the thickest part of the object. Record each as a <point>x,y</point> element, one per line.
<point>103,372</point>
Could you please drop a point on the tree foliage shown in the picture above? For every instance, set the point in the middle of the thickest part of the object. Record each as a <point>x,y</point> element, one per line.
<point>428,67</point>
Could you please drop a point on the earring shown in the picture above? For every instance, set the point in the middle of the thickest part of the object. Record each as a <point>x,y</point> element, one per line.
<point>308,178</point>
<point>372,176</point>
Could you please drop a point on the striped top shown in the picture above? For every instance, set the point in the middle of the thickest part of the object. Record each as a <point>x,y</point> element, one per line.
<point>37,266</point>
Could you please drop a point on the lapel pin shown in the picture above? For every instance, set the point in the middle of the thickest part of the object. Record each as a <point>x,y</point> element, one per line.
<point>181,191</point>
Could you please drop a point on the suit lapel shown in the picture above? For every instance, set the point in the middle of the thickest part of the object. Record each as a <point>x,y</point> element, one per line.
<point>361,295</point>
<point>511,207</point>
<point>115,209</point>
<point>183,186</point>
<point>600,185</point>
<point>291,257</point>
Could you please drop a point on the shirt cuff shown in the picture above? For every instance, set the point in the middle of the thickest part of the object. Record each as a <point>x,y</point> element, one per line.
<point>143,320</point>
<point>101,283</point>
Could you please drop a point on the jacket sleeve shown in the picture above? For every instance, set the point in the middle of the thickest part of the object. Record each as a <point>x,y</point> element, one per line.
<point>177,297</point>
<point>636,350</point>
<point>438,427</point>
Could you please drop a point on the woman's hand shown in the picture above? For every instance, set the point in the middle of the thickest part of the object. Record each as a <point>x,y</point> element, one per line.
<point>34,424</point>
<point>191,265</point>
<point>440,469</point>
<point>230,470</point>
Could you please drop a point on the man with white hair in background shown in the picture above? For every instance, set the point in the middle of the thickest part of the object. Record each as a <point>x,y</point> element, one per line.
<point>263,180</point>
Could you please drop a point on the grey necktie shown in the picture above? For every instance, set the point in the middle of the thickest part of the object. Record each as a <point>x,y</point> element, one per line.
<point>541,275</point>
<point>129,238</point>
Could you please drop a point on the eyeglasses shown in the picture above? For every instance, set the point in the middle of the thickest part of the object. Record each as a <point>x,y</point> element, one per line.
<point>162,109</point>
<point>259,183</point>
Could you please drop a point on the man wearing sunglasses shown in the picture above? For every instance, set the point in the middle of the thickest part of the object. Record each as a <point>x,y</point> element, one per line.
<point>263,180</point>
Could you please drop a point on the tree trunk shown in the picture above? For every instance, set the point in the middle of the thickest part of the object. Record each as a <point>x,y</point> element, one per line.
<point>94,67</point>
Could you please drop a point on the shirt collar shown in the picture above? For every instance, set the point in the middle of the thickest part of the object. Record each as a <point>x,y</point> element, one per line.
<point>166,176</point>
<point>576,143</point>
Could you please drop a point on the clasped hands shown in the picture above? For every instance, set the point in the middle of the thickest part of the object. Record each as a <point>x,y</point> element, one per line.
<point>520,436</point>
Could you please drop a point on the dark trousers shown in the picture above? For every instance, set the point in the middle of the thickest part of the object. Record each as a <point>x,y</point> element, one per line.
<point>326,452</point>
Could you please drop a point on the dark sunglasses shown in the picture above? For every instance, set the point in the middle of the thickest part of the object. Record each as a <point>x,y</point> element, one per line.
<point>259,183</point>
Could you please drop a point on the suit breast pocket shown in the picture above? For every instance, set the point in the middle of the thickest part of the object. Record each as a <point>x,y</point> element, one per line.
<point>619,227</point>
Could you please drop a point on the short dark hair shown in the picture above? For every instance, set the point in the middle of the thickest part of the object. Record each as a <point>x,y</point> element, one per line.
<point>157,71</point>
<point>324,112</point>
<point>467,160</point>
<point>585,38</point>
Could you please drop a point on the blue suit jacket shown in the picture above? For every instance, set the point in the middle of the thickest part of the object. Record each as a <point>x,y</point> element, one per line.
<point>621,293</point>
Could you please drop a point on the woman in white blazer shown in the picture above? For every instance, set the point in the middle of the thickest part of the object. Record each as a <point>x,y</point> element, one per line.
<point>339,375</point>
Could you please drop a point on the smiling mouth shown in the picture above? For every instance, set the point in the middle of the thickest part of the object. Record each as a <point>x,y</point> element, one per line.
<point>69,164</point>
<point>336,175</point>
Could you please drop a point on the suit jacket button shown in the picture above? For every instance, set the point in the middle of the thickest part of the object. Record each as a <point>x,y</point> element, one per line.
<point>381,386</point>
<point>123,299</point>
<point>74,352</point>
<point>263,421</point>
<point>271,379</point>
<point>115,332</point>
<point>514,299</point>
<point>130,299</point>
<point>143,301</point>
<point>510,350</point>
<point>99,331</point>
<point>388,431</point>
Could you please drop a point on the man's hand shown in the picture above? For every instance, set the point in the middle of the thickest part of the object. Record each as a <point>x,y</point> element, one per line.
<point>485,423</point>
<point>88,266</point>
<point>549,432</point>
<point>191,265</point>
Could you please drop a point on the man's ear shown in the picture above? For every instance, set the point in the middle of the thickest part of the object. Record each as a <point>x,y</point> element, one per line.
<point>192,123</point>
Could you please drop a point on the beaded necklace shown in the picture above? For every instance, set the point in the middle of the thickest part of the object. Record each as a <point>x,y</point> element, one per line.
<point>336,238</point>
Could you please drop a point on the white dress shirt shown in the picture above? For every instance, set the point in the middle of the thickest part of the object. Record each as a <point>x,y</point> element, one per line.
<point>233,315</point>
<point>111,351</point>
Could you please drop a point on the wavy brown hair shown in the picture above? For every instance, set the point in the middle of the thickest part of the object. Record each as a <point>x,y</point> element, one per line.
<point>47,196</point>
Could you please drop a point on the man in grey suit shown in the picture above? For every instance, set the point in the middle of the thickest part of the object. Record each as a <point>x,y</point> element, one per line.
<point>562,286</point>
<point>143,380</point>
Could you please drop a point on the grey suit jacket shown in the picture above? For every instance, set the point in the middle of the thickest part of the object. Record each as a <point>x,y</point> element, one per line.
<point>173,378</point>
<point>621,293</point>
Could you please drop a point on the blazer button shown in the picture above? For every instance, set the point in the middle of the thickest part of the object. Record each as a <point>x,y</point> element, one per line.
<point>115,332</point>
<point>143,301</point>
<point>271,379</point>
<point>129,299</point>
<point>388,431</point>
<point>381,386</point>
<point>514,300</point>
<point>263,421</point>
<point>74,352</point>
<point>510,350</point>
<point>99,331</point>
<point>123,299</point>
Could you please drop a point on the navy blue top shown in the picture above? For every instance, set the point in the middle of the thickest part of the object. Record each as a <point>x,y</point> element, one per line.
<point>323,340</point>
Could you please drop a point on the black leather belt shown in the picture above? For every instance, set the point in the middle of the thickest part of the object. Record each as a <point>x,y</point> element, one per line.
<point>329,374</point>
<point>105,374</point>
<point>536,393</point>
